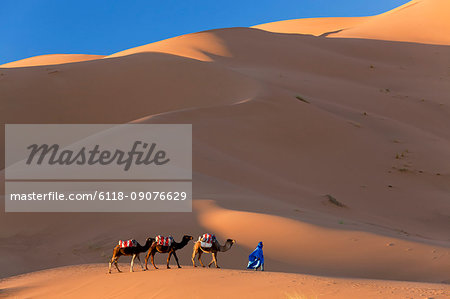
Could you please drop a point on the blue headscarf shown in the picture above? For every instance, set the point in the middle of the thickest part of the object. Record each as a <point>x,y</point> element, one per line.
<point>256,258</point>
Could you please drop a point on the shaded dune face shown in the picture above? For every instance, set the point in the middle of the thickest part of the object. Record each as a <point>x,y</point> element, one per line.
<point>282,123</point>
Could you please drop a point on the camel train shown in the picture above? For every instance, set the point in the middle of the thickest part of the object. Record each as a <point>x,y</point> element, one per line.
<point>207,243</point>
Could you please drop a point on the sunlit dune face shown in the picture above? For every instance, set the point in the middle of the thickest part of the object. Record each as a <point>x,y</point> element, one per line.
<point>200,46</point>
<point>420,21</point>
<point>53,59</point>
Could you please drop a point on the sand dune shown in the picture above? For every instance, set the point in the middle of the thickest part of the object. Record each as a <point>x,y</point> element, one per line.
<point>50,59</point>
<point>90,281</point>
<point>245,112</point>
<point>421,21</point>
<point>282,123</point>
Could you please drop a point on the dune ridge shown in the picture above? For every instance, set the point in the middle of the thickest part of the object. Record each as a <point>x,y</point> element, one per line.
<point>50,59</point>
<point>420,21</point>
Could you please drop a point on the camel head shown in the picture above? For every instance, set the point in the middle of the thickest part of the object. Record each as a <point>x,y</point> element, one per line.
<point>184,241</point>
<point>187,238</point>
<point>227,245</point>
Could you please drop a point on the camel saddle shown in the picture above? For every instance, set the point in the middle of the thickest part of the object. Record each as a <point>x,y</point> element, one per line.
<point>207,240</point>
<point>127,243</point>
<point>164,241</point>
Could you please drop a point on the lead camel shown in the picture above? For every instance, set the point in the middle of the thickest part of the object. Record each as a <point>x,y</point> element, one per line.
<point>214,249</point>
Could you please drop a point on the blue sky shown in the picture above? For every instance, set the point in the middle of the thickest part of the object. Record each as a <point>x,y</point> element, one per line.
<point>36,27</point>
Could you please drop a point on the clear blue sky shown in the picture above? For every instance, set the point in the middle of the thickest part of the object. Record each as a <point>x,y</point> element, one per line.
<point>36,27</point>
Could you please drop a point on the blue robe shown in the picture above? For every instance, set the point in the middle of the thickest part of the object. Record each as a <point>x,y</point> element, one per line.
<point>256,258</point>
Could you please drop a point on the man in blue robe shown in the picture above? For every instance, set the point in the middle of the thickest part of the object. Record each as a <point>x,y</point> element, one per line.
<point>256,258</point>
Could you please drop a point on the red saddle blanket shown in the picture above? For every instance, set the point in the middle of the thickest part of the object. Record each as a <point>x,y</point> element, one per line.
<point>164,241</point>
<point>127,243</point>
<point>208,238</point>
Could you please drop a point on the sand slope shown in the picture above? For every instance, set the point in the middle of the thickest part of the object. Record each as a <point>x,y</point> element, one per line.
<point>90,281</point>
<point>281,123</point>
<point>422,21</point>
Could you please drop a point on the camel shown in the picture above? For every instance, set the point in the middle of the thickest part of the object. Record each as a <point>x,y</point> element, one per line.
<point>167,249</point>
<point>216,247</point>
<point>134,251</point>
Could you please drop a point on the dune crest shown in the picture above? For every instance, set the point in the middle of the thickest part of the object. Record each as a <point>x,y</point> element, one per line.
<point>199,46</point>
<point>420,21</point>
<point>313,26</point>
<point>51,59</point>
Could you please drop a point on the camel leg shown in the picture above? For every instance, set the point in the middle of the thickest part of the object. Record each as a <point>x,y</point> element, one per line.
<point>140,263</point>
<point>132,262</point>
<point>176,258</point>
<point>168,259</point>
<point>113,259</point>
<point>194,253</point>
<point>146,259</point>
<point>214,260</point>
<point>153,259</point>
<point>200,257</point>
<point>110,264</point>
<point>117,266</point>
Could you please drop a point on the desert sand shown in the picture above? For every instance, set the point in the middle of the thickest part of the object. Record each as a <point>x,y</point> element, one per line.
<point>332,148</point>
<point>90,281</point>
